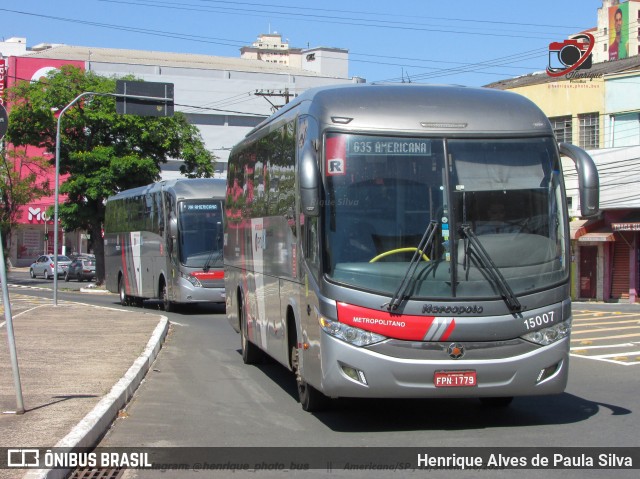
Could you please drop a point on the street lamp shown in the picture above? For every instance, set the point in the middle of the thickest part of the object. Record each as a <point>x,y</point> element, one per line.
<point>149,109</point>
<point>56,193</point>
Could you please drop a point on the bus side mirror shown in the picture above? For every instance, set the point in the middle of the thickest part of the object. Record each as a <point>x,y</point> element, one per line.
<point>173,228</point>
<point>309,181</point>
<point>588,181</point>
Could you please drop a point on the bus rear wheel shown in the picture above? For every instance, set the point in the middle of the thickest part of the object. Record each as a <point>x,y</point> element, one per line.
<point>310,398</point>
<point>124,298</point>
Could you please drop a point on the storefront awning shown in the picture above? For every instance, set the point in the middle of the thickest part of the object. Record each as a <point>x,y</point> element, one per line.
<point>599,236</point>
<point>578,228</point>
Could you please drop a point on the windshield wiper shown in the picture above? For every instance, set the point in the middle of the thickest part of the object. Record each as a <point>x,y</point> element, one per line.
<point>425,242</point>
<point>487,263</point>
<point>210,259</point>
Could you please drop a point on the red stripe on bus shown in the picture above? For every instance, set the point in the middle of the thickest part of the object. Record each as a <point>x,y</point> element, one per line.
<point>449,330</point>
<point>201,275</point>
<point>399,326</point>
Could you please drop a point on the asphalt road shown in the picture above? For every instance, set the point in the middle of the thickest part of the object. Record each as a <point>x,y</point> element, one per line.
<point>199,393</point>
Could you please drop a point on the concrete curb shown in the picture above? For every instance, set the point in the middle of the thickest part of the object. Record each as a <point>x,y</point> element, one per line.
<point>94,291</point>
<point>94,425</point>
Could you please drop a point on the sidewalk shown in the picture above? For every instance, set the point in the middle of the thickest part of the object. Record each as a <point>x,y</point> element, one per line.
<point>79,365</point>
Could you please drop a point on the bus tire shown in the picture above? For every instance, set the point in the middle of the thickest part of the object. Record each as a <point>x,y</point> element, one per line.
<point>164,295</point>
<point>124,298</point>
<point>251,354</point>
<point>497,402</point>
<point>310,398</point>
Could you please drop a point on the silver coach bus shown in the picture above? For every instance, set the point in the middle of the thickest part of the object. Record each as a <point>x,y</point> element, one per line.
<point>164,241</point>
<point>404,241</point>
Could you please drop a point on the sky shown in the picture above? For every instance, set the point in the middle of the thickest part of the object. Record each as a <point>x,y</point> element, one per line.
<point>467,42</point>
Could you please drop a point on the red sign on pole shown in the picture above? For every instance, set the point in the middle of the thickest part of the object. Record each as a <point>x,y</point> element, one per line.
<point>3,79</point>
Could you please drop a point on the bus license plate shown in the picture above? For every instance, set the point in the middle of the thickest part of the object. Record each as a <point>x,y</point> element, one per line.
<point>454,379</point>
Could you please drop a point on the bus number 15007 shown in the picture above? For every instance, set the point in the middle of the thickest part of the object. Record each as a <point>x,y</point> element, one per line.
<point>539,320</point>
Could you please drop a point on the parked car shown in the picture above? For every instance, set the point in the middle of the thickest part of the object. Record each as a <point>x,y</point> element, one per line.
<point>81,255</point>
<point>45,263</point>
<point>81,268</point>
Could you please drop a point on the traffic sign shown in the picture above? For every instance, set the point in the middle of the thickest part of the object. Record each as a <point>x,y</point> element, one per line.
<point>144,98</point>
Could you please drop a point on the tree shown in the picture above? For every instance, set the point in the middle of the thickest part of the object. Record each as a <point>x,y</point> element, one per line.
<point>102,152</point>
<point>20,183</point>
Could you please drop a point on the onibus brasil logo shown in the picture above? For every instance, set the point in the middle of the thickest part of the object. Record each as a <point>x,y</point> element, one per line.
<point>570,55</point>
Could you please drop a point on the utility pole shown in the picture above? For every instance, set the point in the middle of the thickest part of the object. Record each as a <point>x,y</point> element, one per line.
<point>276,93</point>
<point>13,355</point>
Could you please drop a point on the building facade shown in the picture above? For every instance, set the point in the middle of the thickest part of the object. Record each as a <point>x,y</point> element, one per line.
<point>224,97</point>
<point>320,60</point>
<point>598,109</point>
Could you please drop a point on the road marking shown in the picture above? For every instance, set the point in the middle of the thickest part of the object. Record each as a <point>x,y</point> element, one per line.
<point>599,330</point>
<point>602,328</point>
<point>604,338</point>
<point>604,346</point>
<point>606,323</point>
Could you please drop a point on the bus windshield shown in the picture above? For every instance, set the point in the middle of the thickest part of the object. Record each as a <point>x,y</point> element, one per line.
<point>200,233</point>
<point>495,204</point>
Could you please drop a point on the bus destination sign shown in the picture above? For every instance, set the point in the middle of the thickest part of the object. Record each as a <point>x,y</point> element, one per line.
<point>201,206</point>
<point>359,145</point>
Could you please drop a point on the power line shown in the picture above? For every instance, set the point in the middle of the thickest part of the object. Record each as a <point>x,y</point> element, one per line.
<point>317,18</point>
<point>161,33</point>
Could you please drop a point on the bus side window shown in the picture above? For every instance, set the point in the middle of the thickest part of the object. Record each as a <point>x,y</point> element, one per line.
<point>310,243</point>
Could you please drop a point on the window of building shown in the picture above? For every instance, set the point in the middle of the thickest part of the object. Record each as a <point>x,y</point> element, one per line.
<point>562,128</point>
<point>589,130</point>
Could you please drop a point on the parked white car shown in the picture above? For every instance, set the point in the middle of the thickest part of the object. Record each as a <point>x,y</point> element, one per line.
<point>45,263</point>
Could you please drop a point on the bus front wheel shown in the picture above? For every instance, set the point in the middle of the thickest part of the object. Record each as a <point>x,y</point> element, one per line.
<point>251,354</point>
<point>168,305</point>
<point>310,398</point>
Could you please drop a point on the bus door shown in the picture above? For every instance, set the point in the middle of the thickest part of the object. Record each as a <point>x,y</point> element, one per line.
<point>259,308</point>
<point>135,272</point>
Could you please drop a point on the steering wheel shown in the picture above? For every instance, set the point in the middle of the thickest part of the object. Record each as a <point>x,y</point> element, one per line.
<point>396,251</point>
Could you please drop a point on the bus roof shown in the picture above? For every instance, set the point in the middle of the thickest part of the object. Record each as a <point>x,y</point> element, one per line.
<point>182,187</point>
<point>417,108</point>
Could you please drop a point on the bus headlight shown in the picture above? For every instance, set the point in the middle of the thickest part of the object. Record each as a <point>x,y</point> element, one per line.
<point>349,334</point>
<point>192,279</point>
<point>549,335</point>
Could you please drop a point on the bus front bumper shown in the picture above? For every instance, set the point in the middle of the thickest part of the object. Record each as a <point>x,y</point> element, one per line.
<point>540,371</point>
<point>188,293</point>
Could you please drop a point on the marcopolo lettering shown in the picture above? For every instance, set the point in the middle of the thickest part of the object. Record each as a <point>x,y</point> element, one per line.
<point>435,309</point>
